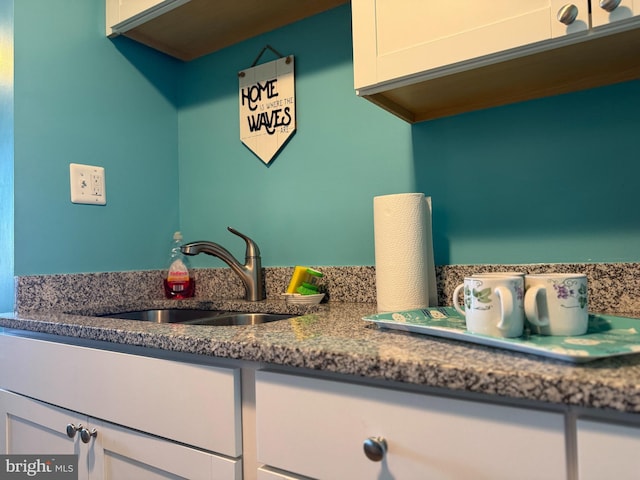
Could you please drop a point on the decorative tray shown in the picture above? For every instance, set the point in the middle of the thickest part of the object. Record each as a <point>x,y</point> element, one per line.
<point>607,336</point>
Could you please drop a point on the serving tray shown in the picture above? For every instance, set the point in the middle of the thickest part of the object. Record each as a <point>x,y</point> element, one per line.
<point>607,336</point>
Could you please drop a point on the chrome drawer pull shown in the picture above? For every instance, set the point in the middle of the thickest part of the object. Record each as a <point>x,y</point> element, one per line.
<point>375,448</point>
<point>568,14</point>
<point>85,434</point>
<point>72,429</point>
<point>609,5</point>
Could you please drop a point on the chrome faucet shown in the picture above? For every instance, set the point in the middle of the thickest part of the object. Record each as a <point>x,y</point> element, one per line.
<point>250,273</point>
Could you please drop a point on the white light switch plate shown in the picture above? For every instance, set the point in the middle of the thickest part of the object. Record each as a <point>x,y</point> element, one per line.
<point>87,184</point>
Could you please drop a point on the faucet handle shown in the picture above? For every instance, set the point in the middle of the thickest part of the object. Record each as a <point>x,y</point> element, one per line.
<point>252,247</point>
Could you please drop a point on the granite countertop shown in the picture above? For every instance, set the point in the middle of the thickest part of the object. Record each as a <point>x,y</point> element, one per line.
<point>334,338</point>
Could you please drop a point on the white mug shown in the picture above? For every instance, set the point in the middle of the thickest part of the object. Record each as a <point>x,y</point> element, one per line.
<point>493,304</point>
<point>556,303</point>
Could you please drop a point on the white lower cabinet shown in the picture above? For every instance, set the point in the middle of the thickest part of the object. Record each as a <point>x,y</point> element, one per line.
<point>112,452</point>
<point>154,418</point>
<point>158,418</point>
<point>317,428</point>
<point>607,450</point>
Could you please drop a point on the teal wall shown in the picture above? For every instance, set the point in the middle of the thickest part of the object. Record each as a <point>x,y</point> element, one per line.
<point>81,98</point>
<point>549,180</point>
<point>6,155</point>
<point>313,203</point>
<point>542,181</point>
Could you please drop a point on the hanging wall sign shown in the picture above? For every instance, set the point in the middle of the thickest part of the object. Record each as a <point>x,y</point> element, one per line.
<point>267,107</point>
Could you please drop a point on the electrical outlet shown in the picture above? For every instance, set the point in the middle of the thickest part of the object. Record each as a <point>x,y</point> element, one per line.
<point>87,184</point>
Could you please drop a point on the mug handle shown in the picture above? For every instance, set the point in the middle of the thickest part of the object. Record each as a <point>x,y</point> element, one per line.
<point>506,307</point>
<point>456,300</point>
<point>531,306</point>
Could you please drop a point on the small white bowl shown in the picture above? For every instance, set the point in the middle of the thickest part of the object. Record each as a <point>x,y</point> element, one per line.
<point>297,299</point>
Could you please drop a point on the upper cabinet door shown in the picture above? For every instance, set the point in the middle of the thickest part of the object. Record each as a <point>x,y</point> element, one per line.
<point>605,12</point>
<point>396,38</point>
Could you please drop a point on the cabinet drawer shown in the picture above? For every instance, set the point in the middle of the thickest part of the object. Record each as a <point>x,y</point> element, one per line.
<point>607,450</point>
<point>194,404</point>
<point>316,428</point>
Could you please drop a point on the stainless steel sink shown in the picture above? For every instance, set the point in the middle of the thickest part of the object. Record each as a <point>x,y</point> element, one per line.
<point>168,315</point>
<point>198,317</point>
<point>240,318</point>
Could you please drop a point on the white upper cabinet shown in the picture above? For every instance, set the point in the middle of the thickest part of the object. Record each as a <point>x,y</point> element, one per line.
<point>410,36</point>
<point>426,59</point>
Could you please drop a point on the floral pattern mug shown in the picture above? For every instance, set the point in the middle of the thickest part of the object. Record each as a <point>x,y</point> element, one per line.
<point>557,303</point>
<point>493,304</point>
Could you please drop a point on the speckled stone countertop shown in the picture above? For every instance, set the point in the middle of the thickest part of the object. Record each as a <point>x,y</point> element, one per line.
<point>336,339</point>
<point>332,337</point>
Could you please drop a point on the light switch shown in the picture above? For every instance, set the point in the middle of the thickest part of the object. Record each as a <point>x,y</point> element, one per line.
<point>87,184</point>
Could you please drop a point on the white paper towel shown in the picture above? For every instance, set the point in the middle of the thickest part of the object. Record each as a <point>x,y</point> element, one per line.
<point>405,271</point>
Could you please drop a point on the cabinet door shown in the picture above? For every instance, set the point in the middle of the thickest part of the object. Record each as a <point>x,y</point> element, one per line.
<point>32,428</point>
<point>600,15</point>
<point>127,454</point>
<point>396,38</point>
<point>317,428</point>
<point>607,451</point>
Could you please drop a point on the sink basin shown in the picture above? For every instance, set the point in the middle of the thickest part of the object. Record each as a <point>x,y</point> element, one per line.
<point>199,317</point>
<point>167,315</point>
<point>239,318</point>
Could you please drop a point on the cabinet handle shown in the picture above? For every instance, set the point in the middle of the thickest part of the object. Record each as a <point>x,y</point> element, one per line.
<point>375,448</point>
<point>85,434</point>
<point>609,5</point>
<point>72,429</point>
<point>568,14</point>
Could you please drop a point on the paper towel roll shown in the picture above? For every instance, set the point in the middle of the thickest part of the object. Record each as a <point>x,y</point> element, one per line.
<point>405,272</point>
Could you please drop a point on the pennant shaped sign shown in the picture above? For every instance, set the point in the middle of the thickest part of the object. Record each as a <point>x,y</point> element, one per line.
<point>267,107</point>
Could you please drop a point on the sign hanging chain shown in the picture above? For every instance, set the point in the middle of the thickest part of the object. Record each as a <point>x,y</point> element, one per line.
<point>264,49</point>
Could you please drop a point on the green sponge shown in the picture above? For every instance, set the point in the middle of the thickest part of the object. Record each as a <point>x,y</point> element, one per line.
<point>307,289</point>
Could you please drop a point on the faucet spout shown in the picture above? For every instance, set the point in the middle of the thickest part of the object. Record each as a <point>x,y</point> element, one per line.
<point>250,272</point>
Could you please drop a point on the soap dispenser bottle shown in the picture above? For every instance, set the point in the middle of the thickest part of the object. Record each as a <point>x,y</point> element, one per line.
<point>178,279</point>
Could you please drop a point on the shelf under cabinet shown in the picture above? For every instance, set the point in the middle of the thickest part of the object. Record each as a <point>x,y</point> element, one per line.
<point>591,61</point>
<point>199,27</point>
